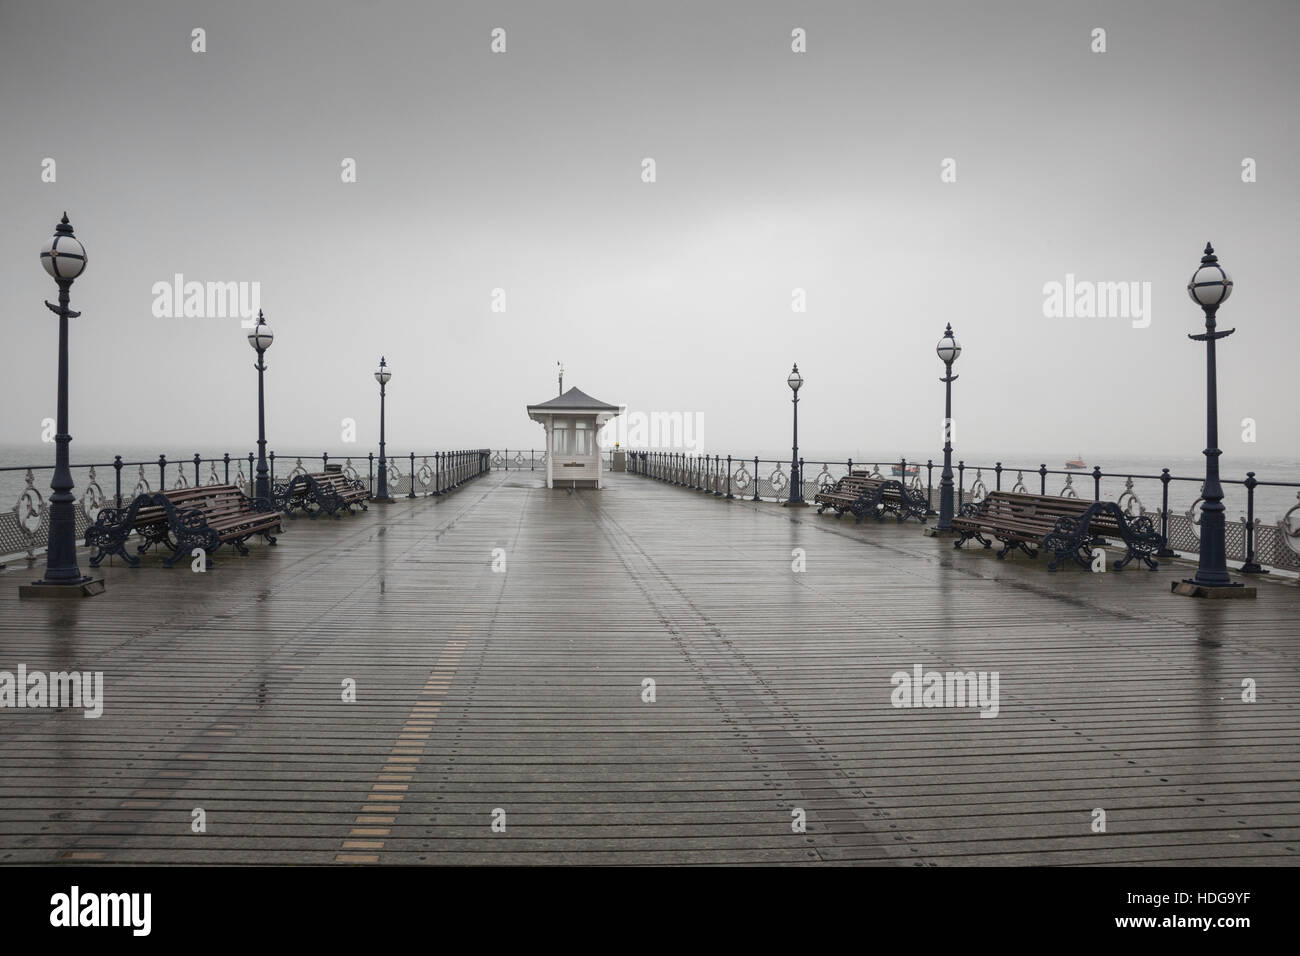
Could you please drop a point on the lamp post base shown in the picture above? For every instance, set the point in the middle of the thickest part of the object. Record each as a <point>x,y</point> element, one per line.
<point>383,501</point>
<point>84,587</point>
<point>939,532</point>
<point>1189,588</point>
<point>794,504</point>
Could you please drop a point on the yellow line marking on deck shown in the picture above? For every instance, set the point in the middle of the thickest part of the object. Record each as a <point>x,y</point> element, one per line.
<point>417,727</point>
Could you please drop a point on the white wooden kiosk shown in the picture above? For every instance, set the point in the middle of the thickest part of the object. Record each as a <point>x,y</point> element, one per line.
<point>571,421</point>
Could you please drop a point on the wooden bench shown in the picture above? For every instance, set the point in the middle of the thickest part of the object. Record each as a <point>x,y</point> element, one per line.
<point>330,492</point>
<point>845,492</point>
<point>864,495</point>
<point>1067,527</point>
<point>204,517</point>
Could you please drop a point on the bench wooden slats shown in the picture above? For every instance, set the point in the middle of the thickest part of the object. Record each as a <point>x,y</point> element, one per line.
<point>1067,527</point>
<point>330,493</point>
<point>864,495</point>
<point>203,517</point>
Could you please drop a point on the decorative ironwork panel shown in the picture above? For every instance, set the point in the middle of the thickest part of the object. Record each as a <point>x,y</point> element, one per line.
<point>92,499</point>
<point>1129,499</point>
<point>1182,533</point>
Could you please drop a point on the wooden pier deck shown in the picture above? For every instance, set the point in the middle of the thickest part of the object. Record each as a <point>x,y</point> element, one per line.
<point>520,692</point>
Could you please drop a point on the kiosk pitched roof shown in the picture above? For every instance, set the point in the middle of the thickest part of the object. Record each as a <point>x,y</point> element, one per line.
<point>574,400</point>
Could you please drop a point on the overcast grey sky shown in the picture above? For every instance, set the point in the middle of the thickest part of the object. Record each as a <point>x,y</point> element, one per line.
<point>775,171</point>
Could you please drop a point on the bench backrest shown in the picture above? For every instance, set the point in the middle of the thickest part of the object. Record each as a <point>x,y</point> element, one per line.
<point>1044,508</point>
<point>856,484</point>
<point>212,500</point>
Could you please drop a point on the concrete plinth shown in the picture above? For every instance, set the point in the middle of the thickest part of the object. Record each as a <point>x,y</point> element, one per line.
<point>1190,588</point>
<point>86,587</point>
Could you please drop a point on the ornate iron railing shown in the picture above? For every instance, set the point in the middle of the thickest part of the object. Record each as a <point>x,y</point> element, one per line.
<point>1250,541</point>
<point>24,528</point>
<point>533,459</point>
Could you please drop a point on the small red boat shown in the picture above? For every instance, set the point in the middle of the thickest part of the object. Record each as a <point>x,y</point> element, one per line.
<point>1076,464</point>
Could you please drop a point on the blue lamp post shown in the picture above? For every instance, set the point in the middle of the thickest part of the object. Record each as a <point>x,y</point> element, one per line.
<point>948,350</point>
<point>64,258</point>
<point>795,381</point>
<point>1209,288</point>
<point>382,375</point>
<point>260,339</point>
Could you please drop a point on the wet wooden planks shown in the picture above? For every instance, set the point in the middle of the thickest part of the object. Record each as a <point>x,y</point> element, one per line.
<point>224,692</point>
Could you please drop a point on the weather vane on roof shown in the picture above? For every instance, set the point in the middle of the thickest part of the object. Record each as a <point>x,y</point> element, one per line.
<point>561,365</point>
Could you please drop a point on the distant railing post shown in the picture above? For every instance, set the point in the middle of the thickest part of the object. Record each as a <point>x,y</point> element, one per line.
<point>1042,479</point>
<point>324,461</point>
<point>117,469</point>
<point>437,473</point>
<point>410,476</point>
<point>227,461</point>
<point>372,473</point>
<point>1096,482</point>
<point>961,482</point>
<point>997,476</point>
<point>755,477</point>
<point>1251,566</point>
<point>196,469</point>
<point>162,472</point>
<point>250,469</point>
<point>929,486</point>
<point>801,479</point>
<point>729,494</point>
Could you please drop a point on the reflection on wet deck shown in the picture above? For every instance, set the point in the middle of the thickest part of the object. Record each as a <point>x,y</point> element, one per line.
<point>503,716</point>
